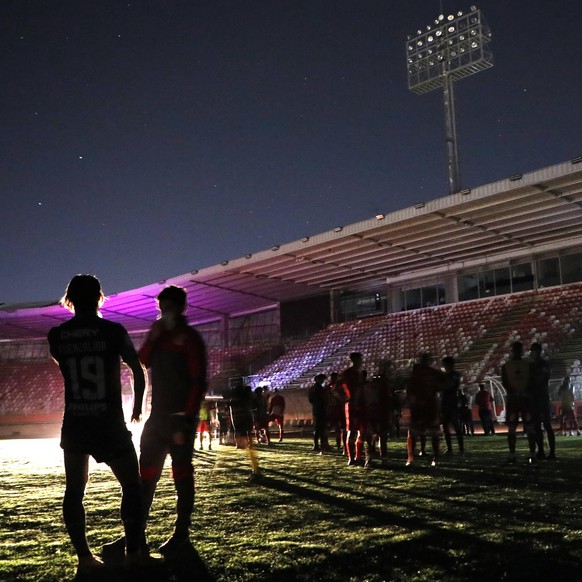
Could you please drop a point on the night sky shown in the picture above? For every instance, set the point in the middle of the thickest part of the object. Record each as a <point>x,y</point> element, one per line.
<point>142,140</point>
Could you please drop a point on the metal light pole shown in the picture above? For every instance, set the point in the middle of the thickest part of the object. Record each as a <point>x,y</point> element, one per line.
<point>452,48</point>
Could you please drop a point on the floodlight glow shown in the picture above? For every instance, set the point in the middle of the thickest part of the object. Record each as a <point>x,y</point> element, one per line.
<point>469,58</point>
<point>458,48</point>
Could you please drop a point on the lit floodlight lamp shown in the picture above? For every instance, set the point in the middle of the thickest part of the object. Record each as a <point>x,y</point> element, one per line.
<point>380,216</point>
<point>576,160</point>
<point>459,47</point>
<point>338,229</point>
<point>305,239</point>
<point>224,263</point>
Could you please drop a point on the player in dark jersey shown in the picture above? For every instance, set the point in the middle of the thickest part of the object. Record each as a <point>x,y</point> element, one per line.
<point>451,392</point>
<point>318,395</point>
<point>422,394</point>
<point>337,411</point>
<point>516,376</point>
<point>240,403</point>
<point>277,412</point>
<point>352,380</point>
<point>261,416</point>
<point>176,354</point>
<point>88,350</point>
<point>539,398</point>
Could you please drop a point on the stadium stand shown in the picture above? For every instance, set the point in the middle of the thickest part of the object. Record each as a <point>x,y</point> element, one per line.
<point>477,333</point>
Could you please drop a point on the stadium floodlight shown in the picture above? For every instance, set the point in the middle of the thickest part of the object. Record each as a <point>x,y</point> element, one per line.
<point>456,47</point>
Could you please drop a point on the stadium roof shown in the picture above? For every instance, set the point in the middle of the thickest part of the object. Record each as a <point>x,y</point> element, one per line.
<point>516,217</point>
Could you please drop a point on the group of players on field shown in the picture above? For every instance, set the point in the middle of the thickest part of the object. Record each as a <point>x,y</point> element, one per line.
<point>364,412</point>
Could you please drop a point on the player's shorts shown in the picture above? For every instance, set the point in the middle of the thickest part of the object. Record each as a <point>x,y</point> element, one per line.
<point>157,440</point>
<point>450,417</point>
<point>516,407</point>
<point>337,417</point>
<point>540,410</point>
<point>372,421</point>
<point>104,446</point>
<point>276,418</point>
<point>424,422</point>
<point>242,422</point>
<point>204,426</point>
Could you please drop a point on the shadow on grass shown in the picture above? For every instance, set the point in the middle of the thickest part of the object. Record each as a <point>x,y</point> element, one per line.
<point>440,545</point>
<point>183,566</point>
<point>424,559</point>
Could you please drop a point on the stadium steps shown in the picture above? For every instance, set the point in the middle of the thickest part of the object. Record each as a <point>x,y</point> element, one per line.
<point>563,356</point>
<point>497,335</point>
<point>342,354</point>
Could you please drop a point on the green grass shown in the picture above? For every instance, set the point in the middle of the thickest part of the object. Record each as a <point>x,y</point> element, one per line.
<point>313,518</point>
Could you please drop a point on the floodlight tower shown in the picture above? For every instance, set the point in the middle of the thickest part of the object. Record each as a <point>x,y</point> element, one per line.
<point>452,48</point>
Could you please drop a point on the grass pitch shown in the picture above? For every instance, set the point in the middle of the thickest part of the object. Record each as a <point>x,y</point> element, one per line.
<point>312,518</point>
